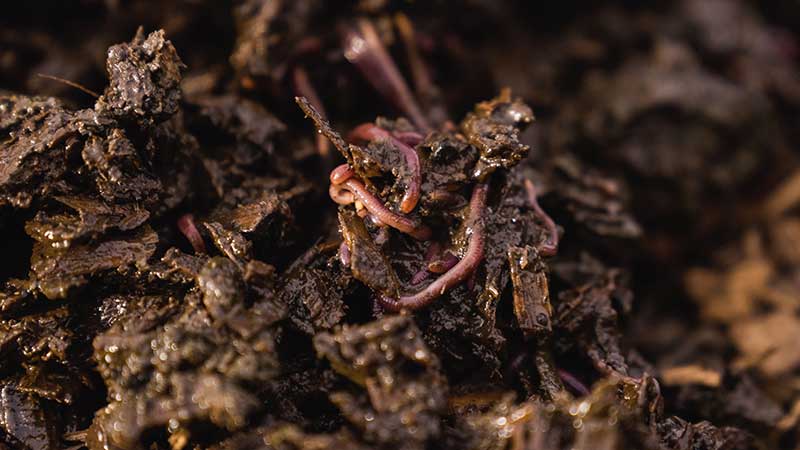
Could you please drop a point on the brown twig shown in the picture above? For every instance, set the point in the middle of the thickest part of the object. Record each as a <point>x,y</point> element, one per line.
<point>303,87</point>
<point>70,83</point>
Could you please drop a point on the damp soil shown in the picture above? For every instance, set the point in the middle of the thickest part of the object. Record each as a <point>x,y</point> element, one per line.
<point>377,224</point>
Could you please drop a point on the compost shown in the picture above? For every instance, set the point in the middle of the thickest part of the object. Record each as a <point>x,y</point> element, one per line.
<point>381,224</point>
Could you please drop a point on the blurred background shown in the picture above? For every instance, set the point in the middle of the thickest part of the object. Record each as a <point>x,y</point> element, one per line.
<point>666,139</point>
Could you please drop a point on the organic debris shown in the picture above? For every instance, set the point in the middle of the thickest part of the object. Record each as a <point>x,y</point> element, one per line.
<point>480,225</point>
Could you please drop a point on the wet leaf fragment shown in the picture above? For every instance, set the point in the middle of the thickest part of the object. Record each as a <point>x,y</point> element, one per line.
<point>589,315</point>
<point>94,218</point>
<point>531,293</point>
<point>493,128</point>
<point>25,421</point>
<point>603,420</point>
<point>315,292</point>
<point>36,338</point>
<point>283,436</point>
<point>119,172</point>
<point>38,138</point>
<point>245,119</point>
<point>206,360</point>
<point>56,274</point>
<point>367,262</point>
<point>404,390</point>
<point>144,79</point>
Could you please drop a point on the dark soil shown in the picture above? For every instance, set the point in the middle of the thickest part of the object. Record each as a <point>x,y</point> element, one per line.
<point>377,224</point>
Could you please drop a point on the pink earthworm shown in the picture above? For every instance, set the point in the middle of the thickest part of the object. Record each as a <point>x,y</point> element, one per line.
<point>433,251</point>
<point>341,174</point>
<point>379,210</point>
<point>444,263</point>
<point>377,309</point>
<point>410,138</point>
<point>364,214</point>
<point>187,228</point>
<point>446,199</point>
<point>431,254</point>
<point>362,133</point>
<point>573,382</point>
<point>375,221</point>
<point>550,246</point>
<point>420,276</point>
<point>461,271</point>
<point>341,195</point>
<point>364,49</point>
<point>370,132</point>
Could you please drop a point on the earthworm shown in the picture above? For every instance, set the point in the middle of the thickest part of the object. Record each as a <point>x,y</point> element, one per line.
<point>364,214</point>
<point>446,199</point>
<point>573,382</point>
<point>431,254</point>
<point>365,50</point>
<point>379,210</point>
<point>370,132</point>
<point>433,251</point>
<point>375,221</point>
<point>341,174</point>
<point>461,271</point>
<point>420,276</point>
<point>341,195</point>
<point>550,246</point>
<point>411,138</point>
<point>187,228</point>
<point>444,263</point>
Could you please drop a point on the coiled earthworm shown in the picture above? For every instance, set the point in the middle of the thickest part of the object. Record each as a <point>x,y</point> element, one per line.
<point>461,271</point>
